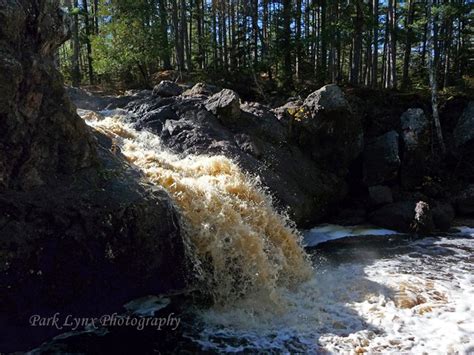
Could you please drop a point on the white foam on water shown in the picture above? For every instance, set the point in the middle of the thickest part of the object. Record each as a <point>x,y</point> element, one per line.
<point>466,230</point>
<point>238,243</point>
<point>416,302</point>
<point>327,232</point>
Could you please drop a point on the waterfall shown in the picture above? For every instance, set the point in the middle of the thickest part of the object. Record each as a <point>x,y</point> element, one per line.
<point>240,244</point>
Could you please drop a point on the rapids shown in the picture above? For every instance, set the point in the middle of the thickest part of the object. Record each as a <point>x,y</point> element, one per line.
<point>413,298</point>
<point>271,295</point>
<point>239,243</point>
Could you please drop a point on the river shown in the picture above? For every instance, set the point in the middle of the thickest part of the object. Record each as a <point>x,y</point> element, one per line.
<point>331,289</point>
<point>409,296</point>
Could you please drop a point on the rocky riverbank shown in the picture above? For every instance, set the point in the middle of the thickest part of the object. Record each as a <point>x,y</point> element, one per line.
<point>83,230</point>
<point>350,157</point>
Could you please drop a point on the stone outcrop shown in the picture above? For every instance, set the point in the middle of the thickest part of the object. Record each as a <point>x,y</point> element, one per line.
<point>41,134</point>
<point>250,134</point>
<point>380,195</point>
<point>201,89</point>
<point>225,105</point>
<point>416,147</point>
<point>381,159</point>
<point>463,139</point>
<point>464,201</point>
<point>326,127</point>
<point>464,130</point>
<point>81,231</point>
<point>167,88</point>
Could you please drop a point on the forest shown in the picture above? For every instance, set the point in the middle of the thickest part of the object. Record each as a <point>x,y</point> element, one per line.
<point>236,176</point>
<point>284,45</point>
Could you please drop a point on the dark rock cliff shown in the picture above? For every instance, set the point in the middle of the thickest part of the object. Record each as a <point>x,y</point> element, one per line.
<point>81,231</point>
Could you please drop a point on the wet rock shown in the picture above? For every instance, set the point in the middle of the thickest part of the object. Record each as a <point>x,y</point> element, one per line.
<point>155,119</point>
<point>41,134</point>
<point>327,128</point>
<point>86,245</point>
<point>225,105</point>
<point>464,130</point>
<point>350,217</point>
<point>380,195</point>
<point>413,217</point>
<point>167,88</point>
<point>381,159</point>
<point>398,216</point>
<point>464,201</point>
<point>423,220</point>
<point>463,137</point>
<point>90,233</point>
<point>443,215</point>
<point>257,141</point>
<point>416,147</point>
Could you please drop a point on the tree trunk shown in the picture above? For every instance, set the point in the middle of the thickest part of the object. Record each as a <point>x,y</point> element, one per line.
<point>299,58</point>
<point>76,71</point>
<point>214,34</point>
<point>323,40</point>
<point>88,42</point>
<point>286,43</point>
<point>165,52</point>
<point>392,10</point>
<point>375,43</point>
<point>184,35</point>
<point>177,43</point>
<point>432,65</point>
<point>357,40</point>
<point>409,34</point>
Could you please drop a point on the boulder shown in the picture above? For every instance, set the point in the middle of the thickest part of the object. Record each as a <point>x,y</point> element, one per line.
<point>380,195</point>
<point>398,216</point>
<point>443,215</point>
<point>286,112</point>
<point>155,119</point>
<point>329,98</point>
<point>258,142</point>
<point>416,147</point>
<point>268,125</point>
<point>381,159</point>
<point>463,137</point>
<point>85,245</point>
<point>225,105</point>
<point>464,201</point>
<point>464,130</point>
<point>167,88</point>
<point>326,127</point>
<point>201,89</point>
<point>423,220</point>
<point>404,216</point>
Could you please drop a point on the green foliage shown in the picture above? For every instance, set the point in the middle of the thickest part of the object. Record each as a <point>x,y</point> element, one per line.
<point>137,38</point>
<point>128,42</point>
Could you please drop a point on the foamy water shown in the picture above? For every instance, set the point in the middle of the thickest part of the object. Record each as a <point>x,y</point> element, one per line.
<point>327,232</point>
<point>239,243</point>
<point>420,300</point>
<point>415,299</point>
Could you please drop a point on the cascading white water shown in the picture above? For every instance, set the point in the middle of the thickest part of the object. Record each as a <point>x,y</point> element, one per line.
<point>415,300</point>
<point>241,243</point>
